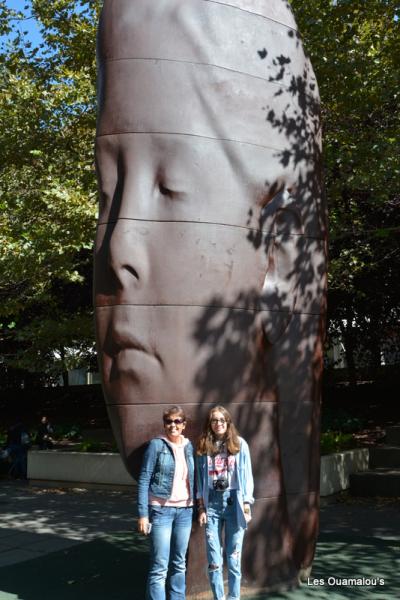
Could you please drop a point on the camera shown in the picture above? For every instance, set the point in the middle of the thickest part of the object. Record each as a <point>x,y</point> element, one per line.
<point>221,484</point>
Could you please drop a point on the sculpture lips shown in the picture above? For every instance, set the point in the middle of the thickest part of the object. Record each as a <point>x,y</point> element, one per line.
<point>126,341</point>
<point>119,340</point>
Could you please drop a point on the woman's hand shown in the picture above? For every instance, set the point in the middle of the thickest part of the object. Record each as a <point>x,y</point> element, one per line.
<point>143,525</point>
<point>202,518</point>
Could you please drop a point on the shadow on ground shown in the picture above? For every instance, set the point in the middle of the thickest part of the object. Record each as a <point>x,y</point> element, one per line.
<point>112,568</point>
<point>357,540</point>
<point>343,557</point>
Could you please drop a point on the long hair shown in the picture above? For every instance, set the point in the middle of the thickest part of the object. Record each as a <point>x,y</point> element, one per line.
<point>207,441</point>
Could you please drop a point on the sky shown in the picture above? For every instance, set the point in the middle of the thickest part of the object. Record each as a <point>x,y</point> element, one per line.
<point>29,25</point>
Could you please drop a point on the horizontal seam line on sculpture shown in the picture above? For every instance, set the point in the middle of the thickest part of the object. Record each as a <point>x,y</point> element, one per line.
<point>272,235</point>
<point>136,404</point>
<point>250,12</point>
<point>312,491</point>
<point>191,62</point>
<point>244,308</point>
<point>206,137</point>
<point>252,403</point>
<point>283,494</point>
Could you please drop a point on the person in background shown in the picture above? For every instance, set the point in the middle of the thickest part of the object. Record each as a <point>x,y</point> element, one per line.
<point>17,445</point>
<point>165,505</point>
<point>225,493</point>
<point>44,434</point>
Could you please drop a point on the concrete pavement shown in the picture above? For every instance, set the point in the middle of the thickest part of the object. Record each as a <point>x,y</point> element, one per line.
<point>58,544</point>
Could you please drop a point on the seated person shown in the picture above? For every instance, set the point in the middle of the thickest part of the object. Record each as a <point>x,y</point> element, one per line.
<point>44,434</point>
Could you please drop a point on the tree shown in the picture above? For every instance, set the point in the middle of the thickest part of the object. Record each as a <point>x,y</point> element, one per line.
<point>47,178</point>
<point>355,50</point>
<point>48,188</point>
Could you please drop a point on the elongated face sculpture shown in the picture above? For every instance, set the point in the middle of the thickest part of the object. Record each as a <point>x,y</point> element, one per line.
<point>210,250</point>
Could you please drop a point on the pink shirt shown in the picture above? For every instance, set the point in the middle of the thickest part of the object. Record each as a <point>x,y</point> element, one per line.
<point>180,493</point>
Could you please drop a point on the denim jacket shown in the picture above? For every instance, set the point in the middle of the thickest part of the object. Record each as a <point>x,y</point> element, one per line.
<point>244,478</point>
<point>157,473</point>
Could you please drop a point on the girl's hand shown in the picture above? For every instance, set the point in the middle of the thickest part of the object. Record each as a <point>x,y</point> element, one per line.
<point>202,519</point>
<point>247,512</point>
<point>143,525</point>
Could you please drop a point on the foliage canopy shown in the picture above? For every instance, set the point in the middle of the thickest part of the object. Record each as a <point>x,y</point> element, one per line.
<point>48,188</point>
<point>47,184</point>
<point>355,50</point>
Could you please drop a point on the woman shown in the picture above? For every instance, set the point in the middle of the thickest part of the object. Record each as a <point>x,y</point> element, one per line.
<point>225,493</point>
<point>165,505</point>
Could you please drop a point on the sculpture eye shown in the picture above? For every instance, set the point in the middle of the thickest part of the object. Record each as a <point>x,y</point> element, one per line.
<point>164,191</point>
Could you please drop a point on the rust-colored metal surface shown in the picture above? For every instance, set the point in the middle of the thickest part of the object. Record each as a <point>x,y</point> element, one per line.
<point>210,258</point>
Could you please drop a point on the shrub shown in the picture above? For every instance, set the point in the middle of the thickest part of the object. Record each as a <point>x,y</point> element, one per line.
<point>67,432</point>
<point>336,441</point>
<point>95,446</point>
<point>339,420</point>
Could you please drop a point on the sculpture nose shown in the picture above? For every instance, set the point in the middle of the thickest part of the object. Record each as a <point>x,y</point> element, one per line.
<point>128,257</point>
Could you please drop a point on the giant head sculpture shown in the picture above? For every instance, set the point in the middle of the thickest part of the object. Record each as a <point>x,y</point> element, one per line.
<point>210,250</point>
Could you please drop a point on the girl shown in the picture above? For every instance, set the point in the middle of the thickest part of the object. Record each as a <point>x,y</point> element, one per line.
<point>225,493</point>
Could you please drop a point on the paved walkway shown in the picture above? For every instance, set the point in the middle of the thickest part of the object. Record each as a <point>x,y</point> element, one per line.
<point>81,545</point>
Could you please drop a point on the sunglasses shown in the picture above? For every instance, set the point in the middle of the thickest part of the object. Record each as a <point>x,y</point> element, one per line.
<point>175,421</point>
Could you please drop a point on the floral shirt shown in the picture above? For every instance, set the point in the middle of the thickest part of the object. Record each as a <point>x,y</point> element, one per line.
<point>222,466</point>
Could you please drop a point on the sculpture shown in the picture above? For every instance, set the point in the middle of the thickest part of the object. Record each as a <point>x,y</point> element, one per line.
<point>210,259</point>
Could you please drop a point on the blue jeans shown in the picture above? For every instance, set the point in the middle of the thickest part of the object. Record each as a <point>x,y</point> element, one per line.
<point>19,456</point>
<point>169,539</point>
<point>222,514</point>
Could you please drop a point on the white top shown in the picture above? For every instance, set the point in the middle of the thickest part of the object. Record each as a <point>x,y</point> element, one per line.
<point>222,466</point>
